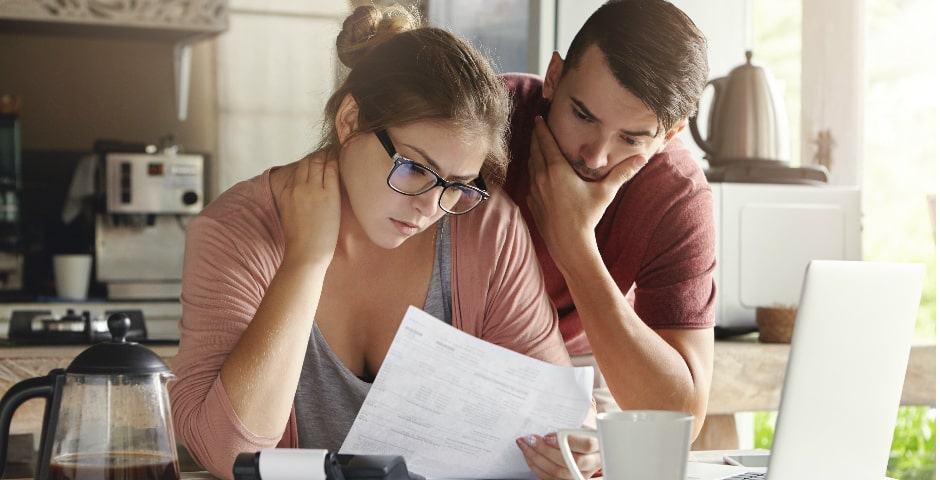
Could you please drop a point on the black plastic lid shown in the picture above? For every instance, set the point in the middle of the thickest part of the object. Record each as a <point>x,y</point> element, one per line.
<point>118,356</point>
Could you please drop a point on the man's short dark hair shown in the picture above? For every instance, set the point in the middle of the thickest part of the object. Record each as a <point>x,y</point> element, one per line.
<point>653,49</point>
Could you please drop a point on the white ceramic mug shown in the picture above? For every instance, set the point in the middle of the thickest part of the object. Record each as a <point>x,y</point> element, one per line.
<point>638,444</point>
<point>72,274</point>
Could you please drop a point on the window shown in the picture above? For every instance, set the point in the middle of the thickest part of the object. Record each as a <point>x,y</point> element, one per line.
<point>898,104</point>
<point>897,146</point>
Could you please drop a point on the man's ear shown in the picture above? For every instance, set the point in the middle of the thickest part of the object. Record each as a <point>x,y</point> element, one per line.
<point>347,118</point>
<point>672,132</point>
<point>552,76</point>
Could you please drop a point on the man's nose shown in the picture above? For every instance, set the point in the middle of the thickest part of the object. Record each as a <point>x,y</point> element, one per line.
<point>594,153</point>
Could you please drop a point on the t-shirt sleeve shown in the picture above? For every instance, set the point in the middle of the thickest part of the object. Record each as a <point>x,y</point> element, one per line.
<point>675,287</point>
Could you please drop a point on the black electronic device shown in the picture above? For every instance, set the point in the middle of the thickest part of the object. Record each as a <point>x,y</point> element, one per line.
<point>248,467</point>
<point>335,467</point>
<point>376,467</point>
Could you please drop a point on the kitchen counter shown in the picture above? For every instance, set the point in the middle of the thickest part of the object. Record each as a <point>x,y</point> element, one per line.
<point>748,376</point>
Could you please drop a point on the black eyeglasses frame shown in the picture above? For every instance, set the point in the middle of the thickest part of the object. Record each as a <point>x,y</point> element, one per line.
<point>479,185</point>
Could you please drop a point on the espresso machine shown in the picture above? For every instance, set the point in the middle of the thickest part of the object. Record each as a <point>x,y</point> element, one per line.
<point>146,201</point>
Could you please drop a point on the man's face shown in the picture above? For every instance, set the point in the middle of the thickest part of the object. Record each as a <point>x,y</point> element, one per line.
<point>597,122</point>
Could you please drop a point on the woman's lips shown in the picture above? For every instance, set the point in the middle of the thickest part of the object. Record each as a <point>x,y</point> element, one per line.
<point>405,228</point>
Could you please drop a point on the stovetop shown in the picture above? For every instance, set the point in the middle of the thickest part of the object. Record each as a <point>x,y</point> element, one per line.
<point>72,327</point>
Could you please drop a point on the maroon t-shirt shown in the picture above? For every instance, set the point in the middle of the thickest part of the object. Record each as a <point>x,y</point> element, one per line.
<point>658,233</point>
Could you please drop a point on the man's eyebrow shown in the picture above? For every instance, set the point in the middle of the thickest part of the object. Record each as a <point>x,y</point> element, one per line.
<point>587,113</point>
<point>437,167</point>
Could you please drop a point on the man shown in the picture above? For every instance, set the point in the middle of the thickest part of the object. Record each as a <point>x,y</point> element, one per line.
<point>620,211</point>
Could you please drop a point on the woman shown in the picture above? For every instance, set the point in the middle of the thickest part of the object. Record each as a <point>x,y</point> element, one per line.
<point>295,281</point>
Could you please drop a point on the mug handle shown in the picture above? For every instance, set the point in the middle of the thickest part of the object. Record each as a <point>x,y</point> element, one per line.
<point>566,449</point>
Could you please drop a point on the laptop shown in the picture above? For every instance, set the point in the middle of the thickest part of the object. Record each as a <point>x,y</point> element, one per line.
<point>848,358</point>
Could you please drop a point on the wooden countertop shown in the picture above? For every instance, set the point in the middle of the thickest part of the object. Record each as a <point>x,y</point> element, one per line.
<point>61,355</point>
<point>712,456</point>
<point>748,375</point>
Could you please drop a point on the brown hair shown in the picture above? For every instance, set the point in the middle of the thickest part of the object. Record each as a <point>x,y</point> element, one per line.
<point>401,72</point>
<point>653,49</point>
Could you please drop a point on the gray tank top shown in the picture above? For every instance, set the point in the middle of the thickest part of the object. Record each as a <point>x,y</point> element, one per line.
<point>329,396</point>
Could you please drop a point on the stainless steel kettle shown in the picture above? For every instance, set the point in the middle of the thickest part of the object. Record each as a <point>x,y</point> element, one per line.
<point>747,121</point>
<point>107,415</point>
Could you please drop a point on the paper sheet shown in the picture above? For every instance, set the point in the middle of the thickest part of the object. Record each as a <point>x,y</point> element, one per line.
<point>453,405</point>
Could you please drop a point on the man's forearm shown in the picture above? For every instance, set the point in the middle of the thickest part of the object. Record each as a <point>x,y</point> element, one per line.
<point>643,368</point>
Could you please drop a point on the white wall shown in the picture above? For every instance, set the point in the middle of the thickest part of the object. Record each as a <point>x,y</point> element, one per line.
<point>276,69</point>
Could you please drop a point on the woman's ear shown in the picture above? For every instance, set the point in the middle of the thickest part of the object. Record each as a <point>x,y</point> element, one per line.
<point>347,118</point>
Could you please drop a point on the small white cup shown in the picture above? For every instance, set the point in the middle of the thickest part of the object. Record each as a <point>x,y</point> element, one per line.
<point>72,274</point>
<point>638,444</point>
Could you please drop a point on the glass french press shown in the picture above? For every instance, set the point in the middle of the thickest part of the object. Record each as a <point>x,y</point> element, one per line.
<point>107,415</point>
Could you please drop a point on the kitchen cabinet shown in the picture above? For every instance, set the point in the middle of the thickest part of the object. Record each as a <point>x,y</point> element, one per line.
<point>181,22</point>
<point>169,19</point>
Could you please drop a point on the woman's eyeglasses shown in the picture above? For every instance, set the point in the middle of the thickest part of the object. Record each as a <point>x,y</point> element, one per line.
<point>411,178</point>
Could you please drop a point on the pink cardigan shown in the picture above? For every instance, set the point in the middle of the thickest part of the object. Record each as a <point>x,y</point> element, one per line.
<point>234,248</point>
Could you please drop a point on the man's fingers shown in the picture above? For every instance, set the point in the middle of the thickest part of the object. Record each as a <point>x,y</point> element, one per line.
<point>625,170</point>
<point>536,158</point>
<point>547,146</point>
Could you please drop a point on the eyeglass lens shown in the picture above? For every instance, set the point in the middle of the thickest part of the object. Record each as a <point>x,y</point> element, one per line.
<point>414,179</point>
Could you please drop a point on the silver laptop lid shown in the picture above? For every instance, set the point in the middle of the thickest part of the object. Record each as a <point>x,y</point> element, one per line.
<point>848,358</point>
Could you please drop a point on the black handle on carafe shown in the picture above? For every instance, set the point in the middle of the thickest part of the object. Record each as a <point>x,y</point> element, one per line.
<point>15,396</point>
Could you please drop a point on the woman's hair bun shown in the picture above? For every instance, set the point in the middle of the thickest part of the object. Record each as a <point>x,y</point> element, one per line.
<point>369,26</point>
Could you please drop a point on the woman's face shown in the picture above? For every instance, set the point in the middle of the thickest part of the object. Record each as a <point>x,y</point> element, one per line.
<point>388,217</point>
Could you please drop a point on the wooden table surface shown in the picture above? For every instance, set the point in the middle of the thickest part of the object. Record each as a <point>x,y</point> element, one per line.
<point>713,456</point>
<point>748,376</point>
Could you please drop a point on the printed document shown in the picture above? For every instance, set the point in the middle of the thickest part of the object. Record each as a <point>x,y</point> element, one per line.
<point>453,405</point>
